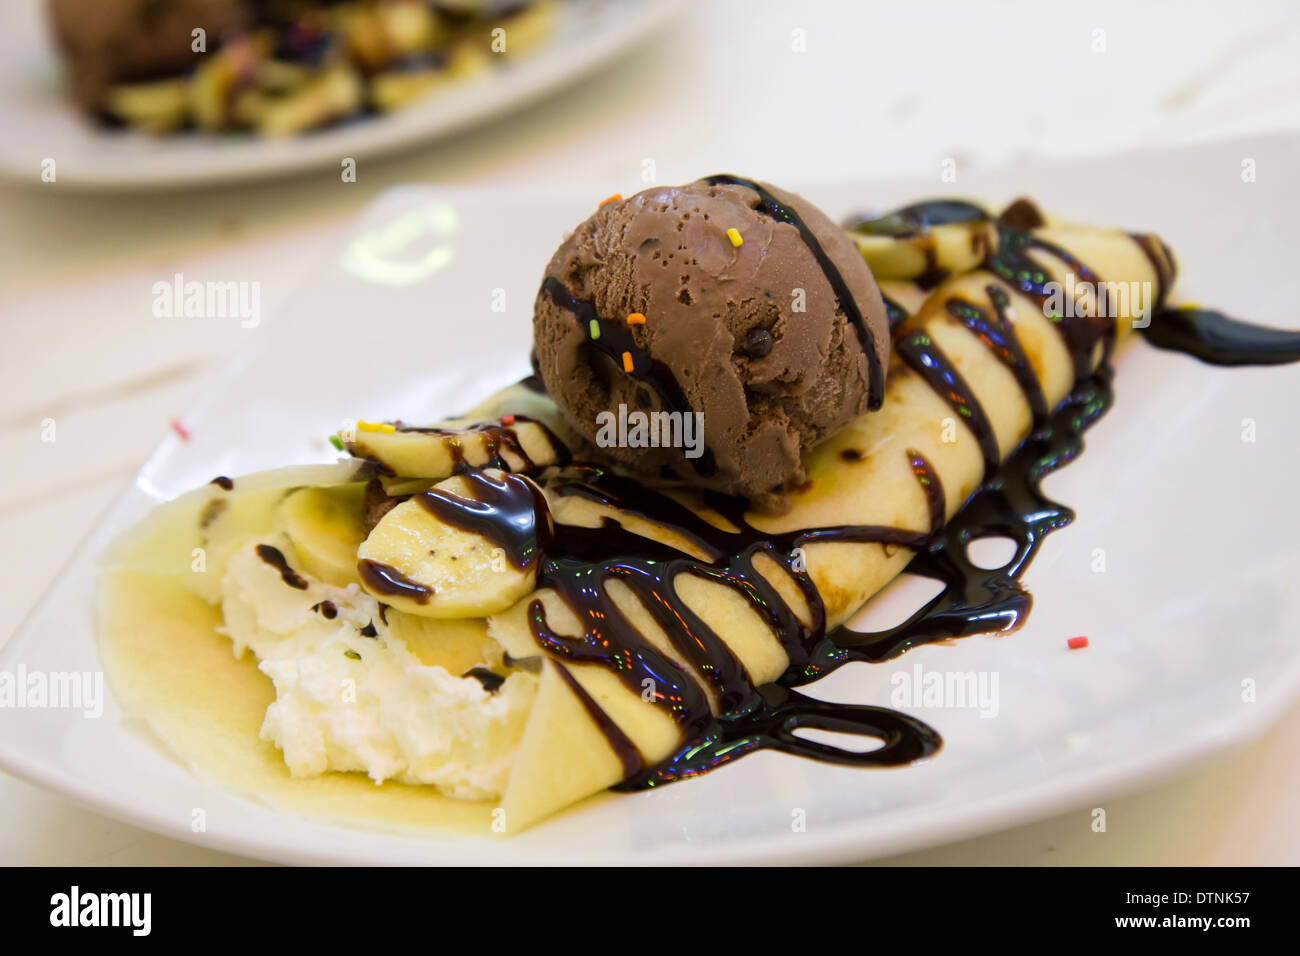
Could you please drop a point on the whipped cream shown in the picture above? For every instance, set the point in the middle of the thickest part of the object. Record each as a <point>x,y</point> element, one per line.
<point>349,702</point>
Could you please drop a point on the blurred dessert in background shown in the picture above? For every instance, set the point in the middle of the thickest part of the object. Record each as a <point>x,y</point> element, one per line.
<point>279,67</point>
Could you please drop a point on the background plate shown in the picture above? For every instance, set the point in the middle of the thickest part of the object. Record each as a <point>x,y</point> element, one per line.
<point>1196,526</point>
<point>40,120</point>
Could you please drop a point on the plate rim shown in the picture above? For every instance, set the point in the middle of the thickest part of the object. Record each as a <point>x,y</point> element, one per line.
<point>837,845</point>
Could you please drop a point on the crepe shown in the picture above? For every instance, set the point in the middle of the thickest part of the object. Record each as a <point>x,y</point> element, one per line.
<point>584,716</point>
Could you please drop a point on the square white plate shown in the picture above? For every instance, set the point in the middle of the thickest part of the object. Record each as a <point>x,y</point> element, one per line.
<point>1196,602</point>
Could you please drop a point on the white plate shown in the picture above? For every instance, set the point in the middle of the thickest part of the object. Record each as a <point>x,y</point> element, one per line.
<point>1197,527</point>
<point>40,120</point>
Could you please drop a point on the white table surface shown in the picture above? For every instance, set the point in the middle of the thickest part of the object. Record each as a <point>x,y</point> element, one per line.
<point>886,91</point>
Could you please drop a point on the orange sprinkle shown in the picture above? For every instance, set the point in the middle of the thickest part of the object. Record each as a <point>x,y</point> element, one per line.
<point>627,361</point>
<point>614,198</point>
<point>636,318</point>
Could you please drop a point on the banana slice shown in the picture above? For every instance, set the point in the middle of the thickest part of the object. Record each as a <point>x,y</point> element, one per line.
<point>459,645</point>
<point>157,107</point>
<point>334,94</point>
<point>435,452</point>
<point>326,527</point>
<point>393,89</point>
<point>904,296</point>
<point>907,245</point>
<point>425,557</point>
<point>401,487</point>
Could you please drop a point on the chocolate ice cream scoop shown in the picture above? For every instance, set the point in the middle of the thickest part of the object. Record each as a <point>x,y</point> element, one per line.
<point>727,299</point>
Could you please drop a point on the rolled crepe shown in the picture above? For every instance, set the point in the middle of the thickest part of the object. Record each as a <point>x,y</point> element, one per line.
<point>874,484</point>
<point>565,753</point>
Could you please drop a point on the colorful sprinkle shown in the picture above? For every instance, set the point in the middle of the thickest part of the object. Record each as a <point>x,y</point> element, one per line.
<point>1190,305</point>
<point>507,419</point>
<point>627,361</point>
<point>336,442</point>
<point>179,429</point>
<point>609,199</point>
<point>1077,642</point>
<point>383,427</point>
<point>734,235</point>
<point>636,318</point>
<point>595,329</point>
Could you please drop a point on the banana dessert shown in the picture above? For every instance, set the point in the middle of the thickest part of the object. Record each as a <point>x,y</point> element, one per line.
<point>484,620</point>
<point>278,67</point>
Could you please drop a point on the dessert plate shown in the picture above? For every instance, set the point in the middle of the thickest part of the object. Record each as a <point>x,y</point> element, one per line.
<point>41,121</point>
<point>1178,569</point>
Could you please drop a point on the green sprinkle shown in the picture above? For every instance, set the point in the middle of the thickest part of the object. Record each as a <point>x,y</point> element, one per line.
<point>595,329</point>
<point>336,442</point>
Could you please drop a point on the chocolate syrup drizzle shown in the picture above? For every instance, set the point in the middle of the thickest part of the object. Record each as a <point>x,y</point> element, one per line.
<point>616,340</point>
<point>917,219</point>
<point>276,559</point>
<point>772,207</point>
<point>500,508</point>
<point>722,714</point>
<point>380,578</point>
<point>894,313</point>
<point>583,560</point>
<point>1216,339</point>
<point>973,600</point>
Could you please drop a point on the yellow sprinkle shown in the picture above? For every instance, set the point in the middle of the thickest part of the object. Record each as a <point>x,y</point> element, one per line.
<point>1190,305</point>
<point>627,361</point>
<point>636,318</point>
<point>734,235</point>
<point>367,427</point>
<point>388,429</point>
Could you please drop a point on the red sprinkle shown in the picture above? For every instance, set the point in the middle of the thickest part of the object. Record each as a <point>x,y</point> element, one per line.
<point>508,420</point>
<point>1077,642</point>
<point>179,429</point>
